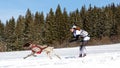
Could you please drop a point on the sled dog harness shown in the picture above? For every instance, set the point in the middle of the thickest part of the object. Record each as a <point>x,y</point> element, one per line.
<point>37,49</point>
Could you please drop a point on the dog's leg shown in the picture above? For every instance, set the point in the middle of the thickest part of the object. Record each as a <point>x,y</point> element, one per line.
<point>57,56</point>
<point>48,54</point>
<point>32,54</point>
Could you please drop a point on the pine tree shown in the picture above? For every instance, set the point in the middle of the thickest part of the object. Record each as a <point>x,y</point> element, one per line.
<point>50,32</point>
<point>117,18</point>
<point>83,16</point>
<point>9,34</point>
<point>59,24</point>
<point>108,21</point>
<point>38,27</point>
<point>20,26</point>
<point>1,30</point>
<point>28,26</point>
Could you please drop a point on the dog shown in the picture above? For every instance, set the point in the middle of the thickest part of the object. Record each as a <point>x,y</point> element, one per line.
<point>38,49</point>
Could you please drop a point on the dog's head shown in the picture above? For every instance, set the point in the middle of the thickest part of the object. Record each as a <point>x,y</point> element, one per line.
<point>26,45</point>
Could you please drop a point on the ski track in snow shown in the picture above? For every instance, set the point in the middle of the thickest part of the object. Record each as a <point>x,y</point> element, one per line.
<point>107,56</point>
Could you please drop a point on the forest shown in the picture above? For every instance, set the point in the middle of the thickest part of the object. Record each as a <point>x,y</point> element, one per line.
<point>102,24</point>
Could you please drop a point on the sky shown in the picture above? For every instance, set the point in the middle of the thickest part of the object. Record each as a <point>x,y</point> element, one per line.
<point>14,8</point>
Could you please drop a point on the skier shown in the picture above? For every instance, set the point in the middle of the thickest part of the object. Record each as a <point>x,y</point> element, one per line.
<point>79,33</point>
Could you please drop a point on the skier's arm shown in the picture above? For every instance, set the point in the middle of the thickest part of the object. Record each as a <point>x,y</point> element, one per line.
<point>75,39</point>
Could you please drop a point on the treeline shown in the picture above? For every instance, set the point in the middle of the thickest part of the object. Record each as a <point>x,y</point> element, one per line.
<point>53,28</point>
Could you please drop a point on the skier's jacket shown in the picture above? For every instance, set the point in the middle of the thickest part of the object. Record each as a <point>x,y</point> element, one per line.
<point>80,33</point>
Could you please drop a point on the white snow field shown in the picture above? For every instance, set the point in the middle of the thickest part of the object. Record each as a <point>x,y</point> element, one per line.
<point>100,56</point>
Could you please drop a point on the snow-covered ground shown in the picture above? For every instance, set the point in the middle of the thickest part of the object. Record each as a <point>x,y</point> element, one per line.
<point>102,56</point>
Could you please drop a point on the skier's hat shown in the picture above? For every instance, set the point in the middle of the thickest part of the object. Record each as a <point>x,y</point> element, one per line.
<point>74,26</point>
